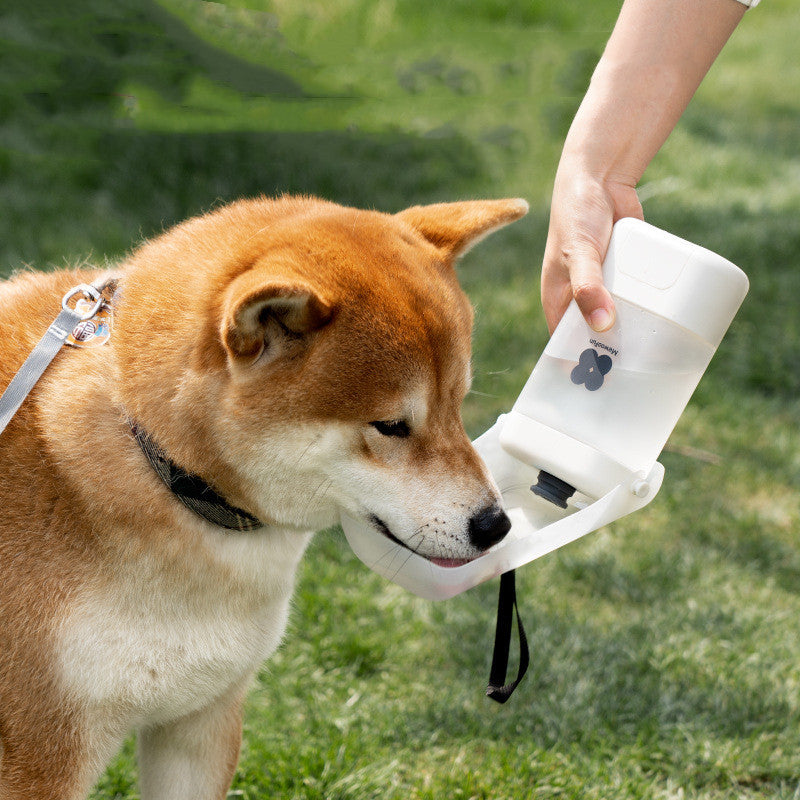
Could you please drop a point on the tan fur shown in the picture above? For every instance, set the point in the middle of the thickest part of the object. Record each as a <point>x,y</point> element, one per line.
<point>255,344</point>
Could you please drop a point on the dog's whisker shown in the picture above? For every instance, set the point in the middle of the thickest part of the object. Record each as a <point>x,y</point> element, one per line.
<point>306,449</point>
<point>313,496</point>
<point>405,561</point>
<point>391,555</point>
<point>510,487</point>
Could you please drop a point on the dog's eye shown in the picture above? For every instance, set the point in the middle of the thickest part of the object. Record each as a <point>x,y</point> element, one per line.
<point>394,427</point>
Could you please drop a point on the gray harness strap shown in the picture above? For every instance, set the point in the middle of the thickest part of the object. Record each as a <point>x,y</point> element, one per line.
<point>44,352</point>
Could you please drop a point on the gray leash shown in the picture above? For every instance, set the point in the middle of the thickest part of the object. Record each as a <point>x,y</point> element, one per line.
<point>44,352</point>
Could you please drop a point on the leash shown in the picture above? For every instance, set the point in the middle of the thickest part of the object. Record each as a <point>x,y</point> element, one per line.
<point>74,326</point>
<point>48,347</point>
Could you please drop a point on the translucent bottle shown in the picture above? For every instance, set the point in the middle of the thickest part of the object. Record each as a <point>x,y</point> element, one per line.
<point>599,407</point>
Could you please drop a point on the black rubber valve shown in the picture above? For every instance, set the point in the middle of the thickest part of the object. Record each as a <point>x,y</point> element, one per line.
<point>553,489</point>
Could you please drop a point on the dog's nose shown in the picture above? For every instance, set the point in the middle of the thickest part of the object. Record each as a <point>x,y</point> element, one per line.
<point>488,526</point>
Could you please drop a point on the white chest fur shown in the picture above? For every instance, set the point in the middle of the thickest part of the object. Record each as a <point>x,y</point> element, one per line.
<point>159,641</point>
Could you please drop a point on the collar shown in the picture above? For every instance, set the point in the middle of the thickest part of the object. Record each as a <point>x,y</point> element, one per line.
<point>197,495</point>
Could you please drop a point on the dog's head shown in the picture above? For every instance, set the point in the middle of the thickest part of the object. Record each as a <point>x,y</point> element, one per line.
<point>316,361</point>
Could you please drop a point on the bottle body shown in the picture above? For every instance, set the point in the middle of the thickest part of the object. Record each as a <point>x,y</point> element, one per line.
<point>628,410</point>
<point>599,407</point>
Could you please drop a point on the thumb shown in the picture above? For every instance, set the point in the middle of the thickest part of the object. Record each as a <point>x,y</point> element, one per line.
<point>592,297</point>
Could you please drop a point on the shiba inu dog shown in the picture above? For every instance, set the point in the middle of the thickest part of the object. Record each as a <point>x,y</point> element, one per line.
<point>270,364</point>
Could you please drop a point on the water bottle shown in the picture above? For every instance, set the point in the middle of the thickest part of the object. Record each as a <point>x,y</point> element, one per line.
<point>599,407</point>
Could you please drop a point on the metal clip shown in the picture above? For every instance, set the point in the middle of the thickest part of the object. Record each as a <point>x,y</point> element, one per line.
<point>88,291</point>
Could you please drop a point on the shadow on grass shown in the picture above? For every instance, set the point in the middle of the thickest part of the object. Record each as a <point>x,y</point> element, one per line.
<point>589,685</point>
<point>176,175</point>
<point>673,669</point>
<point>77,176</point>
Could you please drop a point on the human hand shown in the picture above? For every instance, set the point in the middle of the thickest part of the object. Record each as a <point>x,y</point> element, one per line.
<point>583,211</point>
<point>655,59</point>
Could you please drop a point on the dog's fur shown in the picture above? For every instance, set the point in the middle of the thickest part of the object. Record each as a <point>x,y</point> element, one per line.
<point>255,345</point>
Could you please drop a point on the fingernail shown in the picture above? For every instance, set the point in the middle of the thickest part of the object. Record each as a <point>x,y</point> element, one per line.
<point>600,320</point>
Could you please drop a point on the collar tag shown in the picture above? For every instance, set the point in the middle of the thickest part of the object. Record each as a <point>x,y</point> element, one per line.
<point>92,332</point>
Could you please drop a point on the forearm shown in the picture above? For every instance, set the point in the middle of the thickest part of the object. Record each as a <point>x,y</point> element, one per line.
<point>657,56</point>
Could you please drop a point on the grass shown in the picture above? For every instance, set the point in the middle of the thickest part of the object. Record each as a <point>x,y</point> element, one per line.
<point>665,647</point>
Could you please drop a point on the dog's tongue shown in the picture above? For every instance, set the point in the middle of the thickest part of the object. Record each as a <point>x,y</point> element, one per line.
<point>450,562</point>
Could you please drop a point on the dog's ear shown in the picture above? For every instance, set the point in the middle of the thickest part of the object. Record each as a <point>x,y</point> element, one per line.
<point>274,314</point>
<point>455,227</point>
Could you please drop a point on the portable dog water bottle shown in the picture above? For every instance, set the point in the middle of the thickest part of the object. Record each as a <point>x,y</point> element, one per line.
<point>578,449</point>
<point>598,408</point>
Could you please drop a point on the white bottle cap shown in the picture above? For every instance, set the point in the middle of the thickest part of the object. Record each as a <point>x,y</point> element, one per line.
<point>680,281</point>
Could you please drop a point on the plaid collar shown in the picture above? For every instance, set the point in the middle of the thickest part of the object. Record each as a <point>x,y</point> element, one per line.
<point>192,490</point>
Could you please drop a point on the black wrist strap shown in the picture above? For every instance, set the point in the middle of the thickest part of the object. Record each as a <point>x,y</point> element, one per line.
<point>498,689</point>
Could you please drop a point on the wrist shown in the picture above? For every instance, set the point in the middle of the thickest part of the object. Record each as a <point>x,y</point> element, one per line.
<point>626,115</point>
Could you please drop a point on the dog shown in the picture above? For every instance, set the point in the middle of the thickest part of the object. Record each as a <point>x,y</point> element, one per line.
<point>270,364</point>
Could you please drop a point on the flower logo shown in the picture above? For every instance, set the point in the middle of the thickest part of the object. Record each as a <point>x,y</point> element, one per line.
<point>591,370</point>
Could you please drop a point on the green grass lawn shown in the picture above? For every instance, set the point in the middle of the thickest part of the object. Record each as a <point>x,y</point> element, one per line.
<point>665,648</point>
